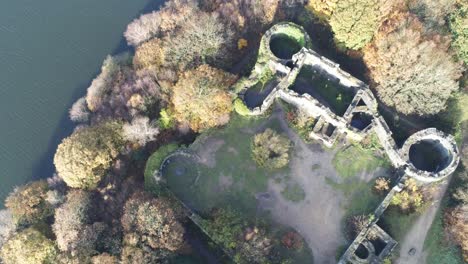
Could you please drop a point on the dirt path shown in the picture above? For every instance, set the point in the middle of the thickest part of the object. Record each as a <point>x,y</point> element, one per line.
<point>319,216</point>
<point>417,234</point>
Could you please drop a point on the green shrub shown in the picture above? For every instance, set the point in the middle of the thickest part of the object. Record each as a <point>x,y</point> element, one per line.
<point>166,120</point>
<point>241,108</point>
<point>271,150</point>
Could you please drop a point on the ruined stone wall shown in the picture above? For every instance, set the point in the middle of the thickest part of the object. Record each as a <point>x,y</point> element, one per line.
<point>398,157</point>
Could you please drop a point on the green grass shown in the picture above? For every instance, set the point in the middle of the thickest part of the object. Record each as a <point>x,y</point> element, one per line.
<point>397,224</point>
<point>293,193</point>
<point>318,85</point>
<point>154,162</point>
<point>233,181</point>
<point>355,159</point>
<point>362,200</point>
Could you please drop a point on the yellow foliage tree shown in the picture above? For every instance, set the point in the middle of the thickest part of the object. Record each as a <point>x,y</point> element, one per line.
<point>83,158</point>
<point>150,53</point>
<point>201,99</point>
<point>323,9</point>
<point>28,247</point>
<point>410,198</point>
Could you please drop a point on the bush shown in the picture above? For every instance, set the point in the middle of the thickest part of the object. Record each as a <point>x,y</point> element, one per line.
<point>166,119</point>
<point>28,204</point>
<point>270,150</point>
<point>410,198</point>
<point>225,227</point>
<point>28,247</point>
<point>83,158</point>
<point>241,108</point>
<point>381,185</point>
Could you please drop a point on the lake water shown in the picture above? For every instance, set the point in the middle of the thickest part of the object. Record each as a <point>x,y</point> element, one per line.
<point>50,50</point>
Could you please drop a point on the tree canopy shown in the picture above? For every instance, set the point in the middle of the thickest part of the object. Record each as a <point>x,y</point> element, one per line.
<point>83,158</point>
<point>201,97</point>
<point>458,22</point>
<point>354,22</point>
<point>28,204</point>
<point>409,71</point>
<point>29,246</point>
<point>151,222</point>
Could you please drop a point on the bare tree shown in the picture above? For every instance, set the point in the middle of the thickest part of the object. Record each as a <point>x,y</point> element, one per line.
<point>79,111</point>
<point>140,131</point>
<point>157,23</point>
<point>6,225</point>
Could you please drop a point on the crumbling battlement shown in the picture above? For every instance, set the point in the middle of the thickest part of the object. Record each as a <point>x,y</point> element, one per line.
<point>379,244</point>
<point>363,102</point>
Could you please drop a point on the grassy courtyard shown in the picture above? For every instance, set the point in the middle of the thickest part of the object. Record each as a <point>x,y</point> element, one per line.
<point>328,92</point>
<point>221,172</point>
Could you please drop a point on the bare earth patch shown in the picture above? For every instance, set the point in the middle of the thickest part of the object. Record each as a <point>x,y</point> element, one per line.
<point>319,216</point>
<point>208,151</point>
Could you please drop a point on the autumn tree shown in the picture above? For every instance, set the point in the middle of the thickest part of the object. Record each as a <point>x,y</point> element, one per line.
<point>79,111</point>
<point>29,246</point>
<point>150,222</point>
<point>432,13</point>
<point>104,258</point>
<point>28,204</point>
<point>410,73</point>
<point>323,9</point>
<point>246,16</point>
<point>270,149</point>
<point>354,22</point>
<point>458,21</point>
<point>83,158</point>
<point>144,255</point>
<point>140,130</point>
<point>73,229</point>
<point>201,97</point>
<point>457,226</point>
<point>104,81</point>
<point>7,226</point>
<point>381,184</point>
<point>410,198</point>
<point>159,23</point>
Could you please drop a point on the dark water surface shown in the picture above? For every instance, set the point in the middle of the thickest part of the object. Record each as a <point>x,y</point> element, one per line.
<point>50,50</point>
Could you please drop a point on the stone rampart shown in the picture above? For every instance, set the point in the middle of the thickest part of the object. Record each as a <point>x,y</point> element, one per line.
<point>363,102</point>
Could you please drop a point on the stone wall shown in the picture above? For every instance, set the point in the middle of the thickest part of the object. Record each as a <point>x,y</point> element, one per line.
<point>288,71</point>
